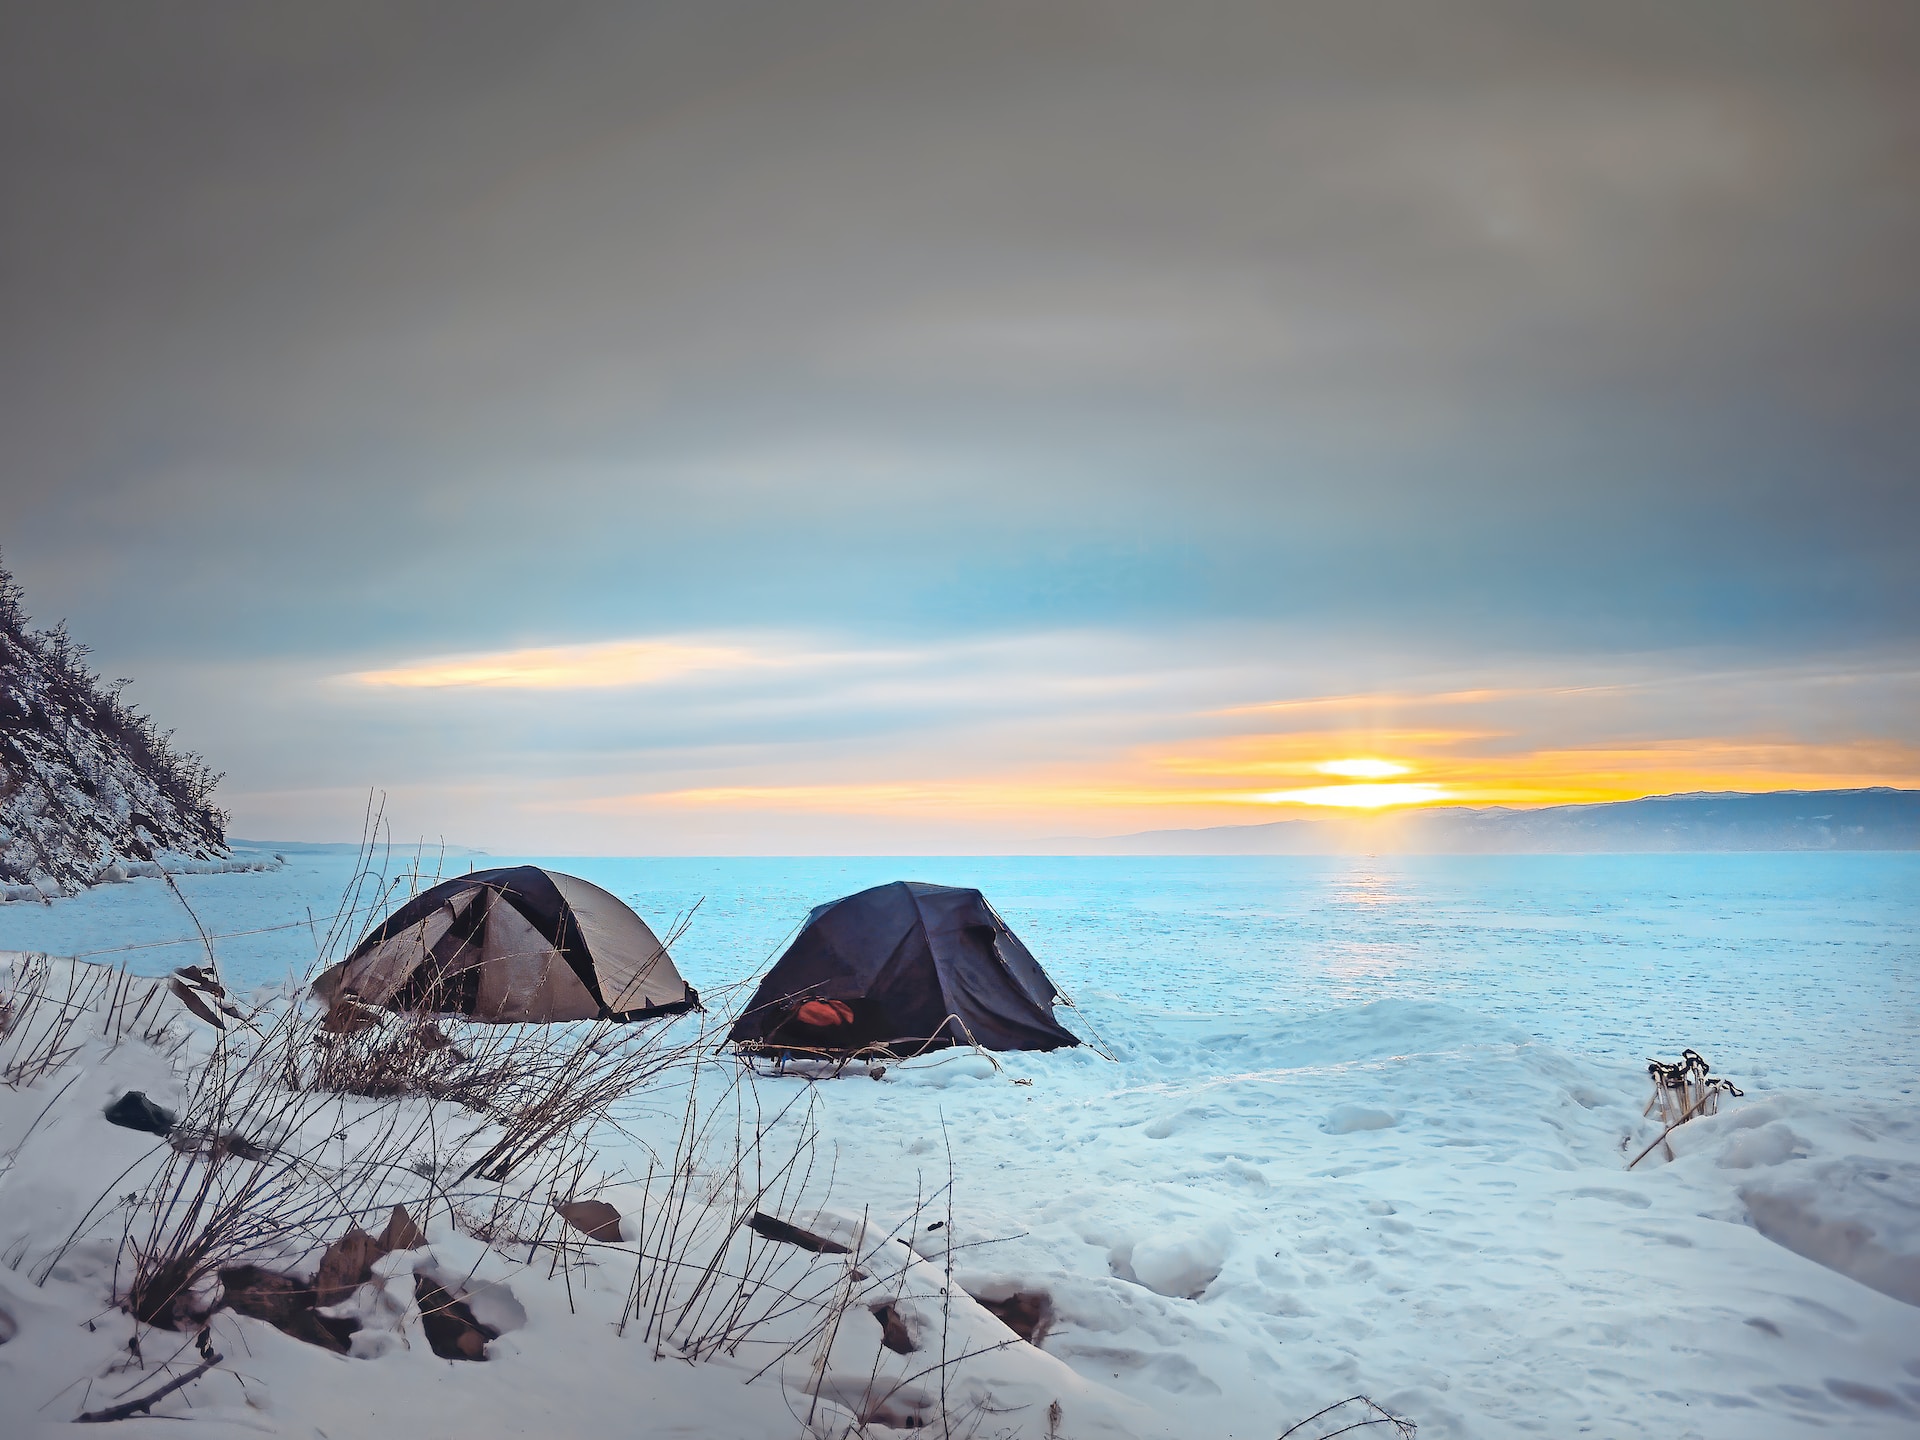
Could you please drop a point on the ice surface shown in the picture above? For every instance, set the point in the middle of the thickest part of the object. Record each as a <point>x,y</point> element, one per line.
<point>1367,1131</point>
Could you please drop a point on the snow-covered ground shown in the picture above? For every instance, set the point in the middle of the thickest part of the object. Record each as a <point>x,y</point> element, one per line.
<point>1367,1131</point>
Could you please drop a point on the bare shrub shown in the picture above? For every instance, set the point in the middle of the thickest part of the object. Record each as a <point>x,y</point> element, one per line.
<point>266,1166</point>
<point>253,1171</point>
<point>733,1255</point>
<point>292,1134</point>
<point>410,1055</point>
<point>1344,1417</point>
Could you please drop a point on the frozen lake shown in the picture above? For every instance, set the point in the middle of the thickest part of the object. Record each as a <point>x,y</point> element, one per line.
<point>1369,1122</point>
<point>1800,969</point>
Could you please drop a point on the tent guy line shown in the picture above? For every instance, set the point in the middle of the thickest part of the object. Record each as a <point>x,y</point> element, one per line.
<point>190,940</point>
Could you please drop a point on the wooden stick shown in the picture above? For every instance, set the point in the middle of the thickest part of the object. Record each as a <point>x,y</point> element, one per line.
<point>136,1407</point>
<point>1684,1116</point>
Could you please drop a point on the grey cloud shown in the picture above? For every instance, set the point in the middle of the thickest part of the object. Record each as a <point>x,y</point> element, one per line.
<point>1593,323</point>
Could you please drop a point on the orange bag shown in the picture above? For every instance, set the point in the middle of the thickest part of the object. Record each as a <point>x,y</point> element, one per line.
<point>824,1014</point>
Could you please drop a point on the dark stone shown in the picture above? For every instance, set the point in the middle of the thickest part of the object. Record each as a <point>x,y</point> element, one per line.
<point>595,1219</point>
<point>1029,1314</point>
<point>451,1329</point>
<point>346,1266</point>
<point>893,1330</point>
<point>134,1111</point>
<point>284,1303</point>
<point>264,1294</point>
<point>401,1233</point>
<point>323,1330</point>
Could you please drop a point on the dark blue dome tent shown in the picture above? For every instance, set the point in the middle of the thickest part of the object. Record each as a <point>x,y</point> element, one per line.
<point>899,970</point>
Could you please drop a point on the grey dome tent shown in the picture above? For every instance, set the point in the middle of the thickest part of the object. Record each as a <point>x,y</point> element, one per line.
<point>903,968</point>
<point>510,945</point>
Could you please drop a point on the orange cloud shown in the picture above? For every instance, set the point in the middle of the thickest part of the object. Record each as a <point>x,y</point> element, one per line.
<point>1218,781</point>
<point>1309,752</point>
<point>564,667</point>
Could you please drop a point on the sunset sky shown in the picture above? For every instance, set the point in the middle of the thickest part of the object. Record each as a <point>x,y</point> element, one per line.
<point>736,428</point>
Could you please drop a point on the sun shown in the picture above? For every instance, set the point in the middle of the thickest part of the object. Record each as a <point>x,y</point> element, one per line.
<point>1366,793</point>
<point>1361,768</point>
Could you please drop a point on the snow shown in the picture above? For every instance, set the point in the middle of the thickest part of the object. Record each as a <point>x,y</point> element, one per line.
<point>1367,1131</point>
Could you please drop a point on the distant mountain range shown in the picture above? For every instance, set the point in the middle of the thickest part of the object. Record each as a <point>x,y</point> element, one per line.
<point>1877,818</point>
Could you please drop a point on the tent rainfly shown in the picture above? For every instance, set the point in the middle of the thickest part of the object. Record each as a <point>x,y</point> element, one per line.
<point>903,968</point>
<point>512,945</point>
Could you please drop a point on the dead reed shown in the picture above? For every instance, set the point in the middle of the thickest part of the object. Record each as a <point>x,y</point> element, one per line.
<point>45,1002</point>
<point>252,1170</point>
<point>292,1134</point>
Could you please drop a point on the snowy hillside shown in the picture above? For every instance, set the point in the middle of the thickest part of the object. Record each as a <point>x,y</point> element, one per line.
<point>89,789</point>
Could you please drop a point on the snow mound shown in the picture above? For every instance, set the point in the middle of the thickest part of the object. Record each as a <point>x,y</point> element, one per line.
<point>1180,1265</point>
<point>1842,1195</point>
<point>1817,1223</point>
<point>1345,1119</point>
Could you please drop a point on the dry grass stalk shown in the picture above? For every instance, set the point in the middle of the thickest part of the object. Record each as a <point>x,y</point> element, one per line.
<point>292,1134</point>
<point>569,1084</point>
<point>268,1162</point>
<point>248,1176</point>
<point>708,1282</point>
<point>400,1055</point>
<point>45,1001</point>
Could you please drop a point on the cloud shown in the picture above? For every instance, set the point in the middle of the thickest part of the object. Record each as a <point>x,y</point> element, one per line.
<point>1586,328</point>
<point>1364,796</point>
<point>614,664</point>
<point>971,420</point>
<point>1103,734</point>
